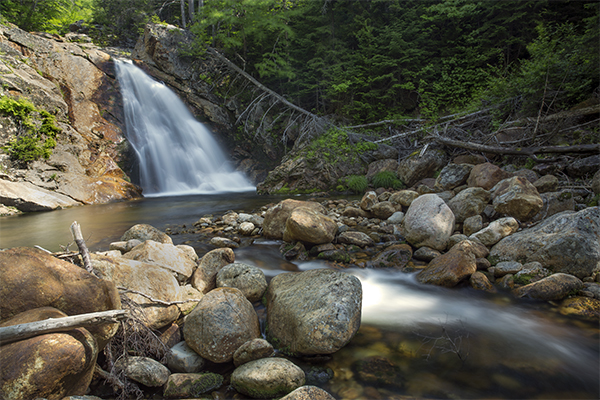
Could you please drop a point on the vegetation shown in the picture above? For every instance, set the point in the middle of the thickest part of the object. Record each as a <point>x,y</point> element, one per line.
<point>357,183</point>
<point>387,179</point>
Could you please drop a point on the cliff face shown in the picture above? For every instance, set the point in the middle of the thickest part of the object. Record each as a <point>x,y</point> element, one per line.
<point>75,83</point>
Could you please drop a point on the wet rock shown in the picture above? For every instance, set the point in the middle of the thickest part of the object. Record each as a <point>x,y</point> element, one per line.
<point>428,222</point>
<point>495,231</point>
<point>383,209</point>
<point>144,370</point>
<point>297,252</point>
<point>276,217</point>
<point>204,278</point>
<point>144,232</point>
<point>368,200</point>
<point>403,197</point>
<point>308,393</point>
<point>426,254</point>
<point>221,322</point>
<point>335,255</point>
<point>584,307</point>
<point>377,370</point>
<point>455,239</point>
<point>517,198</point>
<point>356,238</point>
<point>584,166</point>
<point>222,242</point>
<point>567,242</point>
<point>313,312</point>
<point>472,224</point>
<point>486,176</point>
<point>254,349</point>
<point>166,256</point>
<point>246,228</point>
<point>267,378</point>
<point>480,282</point>
<point>355,212</point>
<point>547,183</point>
<point>395,256</point>
<point>182,358</point>
<point>190,385</point>
<point>453,175</point>
<point>506,267</point>
<point>555,287</point>
<point>555,202</point>
<point>28,197</point>
<point>450,268</point>
<point>416,167</point>
<point>32,278</point>
<point>309,226</point>
<point>249,279</point>
<point>468,203</point>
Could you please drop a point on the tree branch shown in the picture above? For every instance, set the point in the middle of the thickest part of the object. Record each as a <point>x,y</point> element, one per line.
<point>83,250</point>
<point>162,302</point>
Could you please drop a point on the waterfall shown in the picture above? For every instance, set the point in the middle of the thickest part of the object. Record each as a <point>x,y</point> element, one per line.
<point>177,155</point>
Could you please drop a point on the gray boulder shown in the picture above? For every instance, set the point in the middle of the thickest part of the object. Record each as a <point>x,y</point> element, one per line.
<point>555,287</point>
<point>309,226</point>
<point>204,278</point>
<point>495,231</point>
<point>182,358</point>
<point>517,197</point>
<point>428,222</point>
<point>166,256</point>
<point>452,175</point>
<point>249,279</point>
<point>267,378</point>
<point>416,167</point>
<point>468,203</point>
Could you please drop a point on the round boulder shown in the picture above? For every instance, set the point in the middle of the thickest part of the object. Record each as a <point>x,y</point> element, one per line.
<point>428,222</point>
<point>309,226</point>
<point>144,370</point>
<point>254,349</point>
<point>144,232</point>
<point>267,378</point>
<point>517,197</point>
<point>468,203</point>
<point>249,279</point>
<point>277,216</point>
<point>555,287</point>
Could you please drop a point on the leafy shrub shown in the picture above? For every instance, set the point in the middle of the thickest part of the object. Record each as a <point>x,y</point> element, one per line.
<point>357,183</point>
<point>386,179</point>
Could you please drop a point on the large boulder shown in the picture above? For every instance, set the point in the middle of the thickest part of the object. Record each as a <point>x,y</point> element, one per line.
<point>249,279</point>
<point>452,175</point>
<point>567,242</point>
<point>428,222</point>
<point>495,231</point>
<point>469,203</point>
<point>267,378</point>
<point>221,322</point>
<point>276,217</point>
<point>32,278</point>
<point>313,312</point>
<point>554,287</point>
<point>416,166</point>
<point>205,276</point>
<point>486,176</point>
<point>28,197</point>
<point>453,267</point>
<point>309,226</point>
<point>517,197</point>
<point>166,256</point>
<point>143,232</point>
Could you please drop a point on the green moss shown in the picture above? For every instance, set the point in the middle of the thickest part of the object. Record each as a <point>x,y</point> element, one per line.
<point>523,279</point>
<point>595,200</point>
<point>493,260</point>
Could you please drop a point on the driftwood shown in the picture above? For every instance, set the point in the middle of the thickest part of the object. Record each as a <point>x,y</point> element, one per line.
<point>83,250</point>
<point>52,325</point>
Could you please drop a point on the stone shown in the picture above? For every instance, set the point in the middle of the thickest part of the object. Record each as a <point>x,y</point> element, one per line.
<point>165,255</point>
<point>308,392</point>
<point>547,183</point>
<point>246,228</point>
<point>403,197</point>
<point>221,322</point>
<point>355,238</point>
<point>144,232</point>
<point>480,282</point>
<point>531,272</point>
<point>378,371</point>
<point>455,239</point>
<point>416,166</point>
<point>495,231</point>
<point>555,202</point>
<point>276,217</point>
<point>486,176</point>
<point>267,378</point>
<point>452,175</point>
<point>254,349</point>
<point>368,200</point>
<point>383,209</point>
<point>528,174</point>
<point>222,242</point>
<point>124,246</point>
<point>144,370</point>
<point>426,254</point>
<point>335,255</point>
<point>584,166</point>
<point>182,358</point>
<point>468,203</point>
<point>517,198</point>
<point>477,249</point>
<point>428,222</point>
<point>582,307</point>
<point>355,212</point>
<point>473,159</point>
<point>188,292</point>
<point>483,264</point>
<point>149,279</point>
<point>309,226</point>
<point>506,267</point>
<point>554,287</point>
<point>204,278</point>
<point>32,278</point>
<point>596,183</point>
<point>27,197</point>
<point>450,268</point>
<point>396,218</point>
<point>472,224</point>
<point>567,242</point>
<point>395,256</point>
<point>249,279</point>
<point>190,385</point>
<point>381,165</point>
<point>313,312</point>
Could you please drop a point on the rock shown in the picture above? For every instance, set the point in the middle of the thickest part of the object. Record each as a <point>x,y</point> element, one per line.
<point>222,242</point>
<point>472,224</point>
<point>383,209</point>
<point>567,242</point>
<point>221,322</point>
<point>190,385</point>
<point>249,279</point>
<point>426,254</point>
<point>455,239</point>
<point>27,197</point>
<point>165,255</point>
<point>254,349</point>
<point>480,282</point>
<point>246,228</point>
<point>583,307</point>
<point>428,222</point>
<point>528,174</point>
<point>182,358</point>
<point>396,218</point>
<point>381,165</point>
<point>486,176</point>
<point>506,267</point>
<point>452,175</point>
<point>32,278</point>
<point>468,203</point>
<point>584,166</point>
<point>368,200</point>
<point>507,282</point>
<point>144,370</point>
<point>335,255</point>
<point>555,287</point>
<point>378,370</point>
<point>483,264</point>
<point>596,183</point>
<point>355,212</point>
<point>517,198</point>
<point>416,167</point>
<point>547,183</point>
<point>98,189</point>
<point>555,202</point>
<point>308,393</point>
<point>495,231</point>
<point>531,272</point>
<point>276,217</point>
<point>149,279</point>
<point>355,238</point>
<point>267,378</point>
<point>403,197</point>
<point>188,292</point>
<point>469,159</point>
<point>49,366</point>
<point>313,312</point>
<point>144,232</point>
<point>450,268</point>
<point>124,246</point>
<point>309,226</point>
<point>395,256</point>
<point>204,278</point>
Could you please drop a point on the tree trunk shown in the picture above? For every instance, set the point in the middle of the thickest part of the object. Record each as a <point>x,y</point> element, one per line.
<point>191,4</point>
<point>183,14</point>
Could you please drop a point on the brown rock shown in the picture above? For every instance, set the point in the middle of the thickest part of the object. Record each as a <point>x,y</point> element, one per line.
<point>277,216</point>
<point>144,232</point>
<point>403,197</point>
<point>309,226</point>
<point>585,307</point>
<point>486,176</point>
<point>450,268</point>
<point>252,350</point>
<point>480,282</point>
<point>547,183</point>
<point>204,278</point>
<point>518,198</point>
<point>383,209</point>
<point>166,256</point>
<point>473,159</point>
<point>554,287</point>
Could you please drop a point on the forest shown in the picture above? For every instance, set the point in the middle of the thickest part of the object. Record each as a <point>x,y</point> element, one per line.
<point>360,62</point>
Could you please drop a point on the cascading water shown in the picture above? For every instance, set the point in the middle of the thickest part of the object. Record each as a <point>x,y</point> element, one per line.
<point>177,155</point>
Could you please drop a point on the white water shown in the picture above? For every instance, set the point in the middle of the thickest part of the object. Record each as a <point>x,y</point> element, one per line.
<point>177,154</point>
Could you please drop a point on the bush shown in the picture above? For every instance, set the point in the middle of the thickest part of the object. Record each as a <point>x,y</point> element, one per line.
<point>357,183</point>
<point>386,179</point>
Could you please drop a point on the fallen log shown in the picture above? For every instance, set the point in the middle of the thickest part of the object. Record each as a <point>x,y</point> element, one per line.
<point>52,325</point>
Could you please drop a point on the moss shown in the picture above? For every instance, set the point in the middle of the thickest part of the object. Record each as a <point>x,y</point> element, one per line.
<point>357,183</point>
<point>493,260</point>
<point>595,200</point>
<point>523,279</point>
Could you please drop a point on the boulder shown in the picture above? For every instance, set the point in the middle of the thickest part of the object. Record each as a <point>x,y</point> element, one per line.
<point>472,224</point>
<point>144,370</point>
<point>182,358</point>
<point>368,200</point>
<point>249,279</point>
<point>149,279</point>
<point>32,278</point>
<point>495,231</point>
<point>27,197</point>
<point>582,307</point>
<point>254,349</point>
<point>403,197</point>
<point>584,166</point>
<point>547,183</point>
<point>383,209</point>
<point>416,167</point>
<point>309,226</point>
<point>396,218</point>
<point>566,242</point>
<point>222,242</point>
<point>165,255</point>
<point>555,202</point>
<point>246,228</point>
<point>190,385</point>
<point>395,256</point>
<point>267,378</point>
<point>187,293</point>
<point>452,175</point>
<point>308,392</point>
<point>313,312</point>
<point>554,287</point>
<point>276,217</point>
<point>143,232</point>
<point>124,246</point>
<point>468,203</point>
<point>205,276</point>
<point>428,222</point>
<point>381,165</point>
<point>480,281</point>
<point>517,197</point>
<point>596,182</point>
<point>451,268</point>
<point>486,176</point>
<point>426,254</point>
<point>221,322</point>
<point>356,238</point>
<point>531,272</point>
<point>506,267</point>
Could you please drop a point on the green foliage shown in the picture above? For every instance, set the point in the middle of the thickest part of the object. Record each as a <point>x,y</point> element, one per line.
<point>386,179</point>
<point>357,183</point>
<point>52,16</point>
<point>19,109</point>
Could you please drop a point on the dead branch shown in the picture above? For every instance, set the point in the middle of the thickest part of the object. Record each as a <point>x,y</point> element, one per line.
<point>83,250</point>
<point>124,290</point>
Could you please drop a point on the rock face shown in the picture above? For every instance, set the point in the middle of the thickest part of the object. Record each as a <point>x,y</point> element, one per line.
<point>166,256</point>
<point>267,378</point>
<point>277,216</point>
<point>517,197</point>
<point>28,197</point>
<point>309,226</point>
<point>428,222</point>
<point>221,322</point>
<point>313,312</point>
<point>567,242</point>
